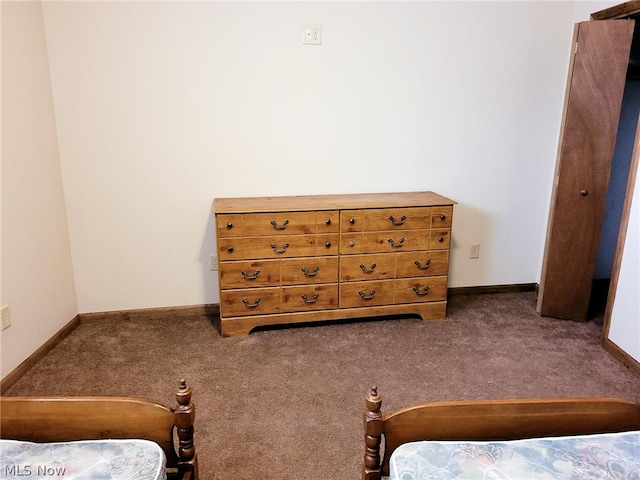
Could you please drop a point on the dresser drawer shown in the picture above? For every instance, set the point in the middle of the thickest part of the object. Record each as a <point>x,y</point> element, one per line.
<point>249,301</point>
<point>428,289</point>
<point>303,298</point>
<point>400,241</point>
<point>279,246</point>
<point>247,274</point>
<point>441,217</point>
<point>366,294</point>
<point>367,267</point>
<point>230,248</point>
<point>350,243</point>
<point>386,219</point>
<point>422,263</point>
<point>278,223</point>
<point>328,244</point>
<point>229,225</point>
<point>328,221</point>
<point>440,239</point>
<point>351,221</point>
<point>300,271</point>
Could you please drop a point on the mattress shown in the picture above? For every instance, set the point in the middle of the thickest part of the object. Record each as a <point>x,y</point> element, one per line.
<point>602,456</point>
<point>83,460</point>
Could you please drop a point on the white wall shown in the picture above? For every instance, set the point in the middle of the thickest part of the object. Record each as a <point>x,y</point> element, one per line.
<point>624,326</point>
<point>37,276</point>
<point>162,106</point>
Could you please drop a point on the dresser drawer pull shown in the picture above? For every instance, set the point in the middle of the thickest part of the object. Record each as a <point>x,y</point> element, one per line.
<point>251,305</point>
<point>422,292</point>
<point>327,245</point>
<point>426,265</point>
<point>442,216</point>
<point>280,250</point>
<point>398,222</point>
<point>365,296</point>
<point>394,244</point>
<point>250,277</point>
<point>279,227</point>
<point>229,226</point>
<point>368,270</point>
<point>328,222</point>
<point>307,273</point>
<point>441,239</point>
<point>310,300</point>
<point>352,221</point>
<point>352,243</point>
<point>230,249</point>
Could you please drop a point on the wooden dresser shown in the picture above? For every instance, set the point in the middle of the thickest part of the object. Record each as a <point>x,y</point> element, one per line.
<point>327,257</point>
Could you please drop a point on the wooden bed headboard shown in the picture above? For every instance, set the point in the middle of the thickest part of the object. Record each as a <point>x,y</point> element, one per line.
<point>487,420</point>
<point>58,419</point>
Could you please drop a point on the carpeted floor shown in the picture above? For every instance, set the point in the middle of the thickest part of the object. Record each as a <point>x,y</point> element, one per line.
<point>288,403</point>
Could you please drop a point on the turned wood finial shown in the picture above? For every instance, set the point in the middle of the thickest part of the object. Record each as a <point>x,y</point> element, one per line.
<point>373,427</point>
<point>374,401</point>
<point>183,395</point>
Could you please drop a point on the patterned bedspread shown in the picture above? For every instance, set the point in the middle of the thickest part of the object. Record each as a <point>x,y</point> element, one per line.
<point>585,457</point>
<point>86,460</point>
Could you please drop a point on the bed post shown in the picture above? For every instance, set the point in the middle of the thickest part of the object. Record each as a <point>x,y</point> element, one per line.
<point>184,416</point>
<point>371,468</point>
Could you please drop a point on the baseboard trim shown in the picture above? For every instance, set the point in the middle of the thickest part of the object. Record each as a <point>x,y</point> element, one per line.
<point>18,372</point>
<point>483,289</point>
<point>209,310</point>
<point>630,362</point>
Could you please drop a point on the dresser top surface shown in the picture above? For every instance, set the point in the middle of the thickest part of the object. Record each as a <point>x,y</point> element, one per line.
<point>301,203</point>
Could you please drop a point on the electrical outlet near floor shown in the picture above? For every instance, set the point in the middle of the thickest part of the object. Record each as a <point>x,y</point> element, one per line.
<point>6,319</point>
<point>474,250</point>
<point>213,260</point>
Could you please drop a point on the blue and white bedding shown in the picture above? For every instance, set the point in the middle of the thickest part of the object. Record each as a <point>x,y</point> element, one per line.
<point>84,460</point>
<point>584,457</point>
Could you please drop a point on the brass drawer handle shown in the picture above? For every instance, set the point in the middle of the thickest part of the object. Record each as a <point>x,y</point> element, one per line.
<point>250,277</point>
<point>365,296</point>
<point>398,222</point>
<point>394,244</point>
<point>251,305</point>
<point>279,227</point>
<point>422,292</point>
<point>307,273</point>
<point>280,250</point>
<point>368,270</point>
<point>426,265</point>
<point>310,300</point>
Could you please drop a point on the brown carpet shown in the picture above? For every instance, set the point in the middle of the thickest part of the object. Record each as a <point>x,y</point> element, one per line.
<point>287,403</point>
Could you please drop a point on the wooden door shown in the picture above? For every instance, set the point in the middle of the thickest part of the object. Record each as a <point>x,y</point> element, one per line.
<point>587,142</point>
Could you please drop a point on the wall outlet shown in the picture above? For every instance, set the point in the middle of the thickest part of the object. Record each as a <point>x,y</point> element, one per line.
<point>6,319</point>
<point>313,35</point>
<point>213,261</point>
<point>474,250</point>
